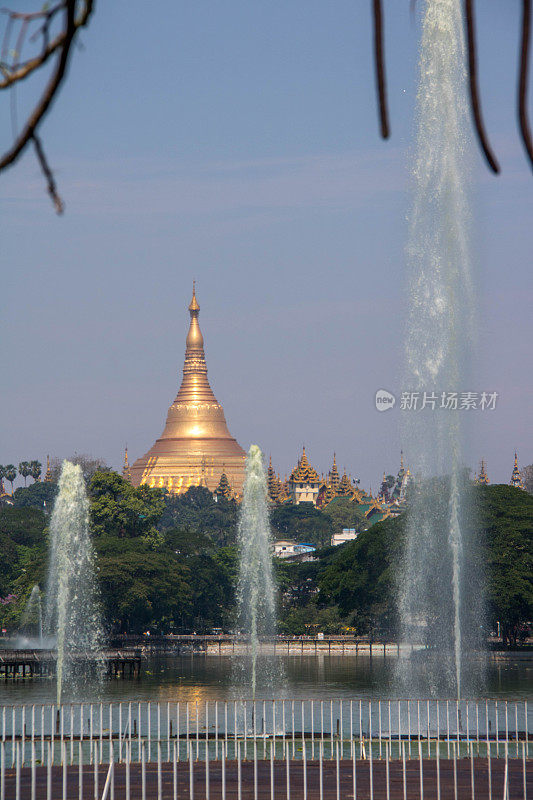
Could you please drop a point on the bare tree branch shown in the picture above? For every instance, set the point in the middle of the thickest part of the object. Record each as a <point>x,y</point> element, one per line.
<point>379,61</point>
<point>522,81</point>
<point>474,91</point>
<point>49,48</point>
<point>51,184</point>
<point>61,45</point>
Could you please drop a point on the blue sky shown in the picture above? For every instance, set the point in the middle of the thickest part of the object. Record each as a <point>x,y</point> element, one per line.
<point>237,144</point>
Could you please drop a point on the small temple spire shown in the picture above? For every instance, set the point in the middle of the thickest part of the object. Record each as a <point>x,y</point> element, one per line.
<point>48,473</point>
<point>224,488</point>
<point>334,479</point>
<point>516,477</point>
<point>401,459</point>
<point>483,477</point>
<point>126,472</point>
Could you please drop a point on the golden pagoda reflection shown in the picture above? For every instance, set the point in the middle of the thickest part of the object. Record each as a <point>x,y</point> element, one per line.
<point>195,446</point>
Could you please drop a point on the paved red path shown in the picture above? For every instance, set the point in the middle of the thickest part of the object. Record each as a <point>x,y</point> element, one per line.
<point>296,775</point>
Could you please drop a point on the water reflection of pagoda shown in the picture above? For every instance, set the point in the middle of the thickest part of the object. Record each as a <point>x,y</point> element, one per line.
<point>195,448</point>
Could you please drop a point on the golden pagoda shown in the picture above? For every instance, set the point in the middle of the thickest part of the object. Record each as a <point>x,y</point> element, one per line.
<point>345,486</point>
<point>195,446</point>
<point>48,474</point>
<point>334,479</point>
<point>304,483</point>
<point>273,483</point>
<point>483,478</point>
<point>516,477</point>
<point>126,471</point>
<point>224,489</point>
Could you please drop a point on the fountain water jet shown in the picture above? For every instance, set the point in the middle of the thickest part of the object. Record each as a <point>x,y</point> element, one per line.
<point>256,589</point>
<point>72,611</point>
<point>31,621</point>
<point>440,332</point>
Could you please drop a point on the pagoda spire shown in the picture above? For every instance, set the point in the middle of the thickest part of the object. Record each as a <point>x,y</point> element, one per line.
<point>272,482</point>
<point>48,473</point>
<point>334,478</point>
<point>483,477</point>
<point>223,489</point>
<point>194,387</point>
<point>516,477</point>
<point>126,472</point>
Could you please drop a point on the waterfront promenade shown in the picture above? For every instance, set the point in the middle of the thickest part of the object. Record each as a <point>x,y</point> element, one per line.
<point>447,779</point>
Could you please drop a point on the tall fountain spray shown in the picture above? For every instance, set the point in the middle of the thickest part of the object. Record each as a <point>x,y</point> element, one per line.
<point>439,337</point>
<point>256,590</point>
<point>72,612</point>
<point>31,621</point>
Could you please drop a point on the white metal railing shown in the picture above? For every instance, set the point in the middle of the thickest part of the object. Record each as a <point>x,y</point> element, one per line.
<point>484,724</point>
<point>361,772</point>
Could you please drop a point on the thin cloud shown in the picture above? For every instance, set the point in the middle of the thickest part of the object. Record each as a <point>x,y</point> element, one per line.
<point>139,186</point>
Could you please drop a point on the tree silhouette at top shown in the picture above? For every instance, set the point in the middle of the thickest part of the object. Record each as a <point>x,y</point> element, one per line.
<point>10,473</point>
<point>24,470</point>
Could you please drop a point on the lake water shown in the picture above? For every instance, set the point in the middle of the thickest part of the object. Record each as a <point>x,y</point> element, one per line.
<point>200,678</point>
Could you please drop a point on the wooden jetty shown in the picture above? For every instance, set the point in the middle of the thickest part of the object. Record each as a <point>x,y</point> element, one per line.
<point>472,779</point>
<point>20,664</point>
<point>222,644</point>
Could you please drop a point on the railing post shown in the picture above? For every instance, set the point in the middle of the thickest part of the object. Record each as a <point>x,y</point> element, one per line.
<point>17,772</point>
<point>191,771</point>
<point>404,772</point>
<point>223,767</point>
<point>49,773</point>
<point>321,768</point>
<point>421,769</point>
<point>80,770</point>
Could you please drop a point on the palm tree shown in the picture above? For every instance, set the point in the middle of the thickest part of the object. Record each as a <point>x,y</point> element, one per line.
<point>10,473</point>
<point>35,470</point>
<point>24,470</point>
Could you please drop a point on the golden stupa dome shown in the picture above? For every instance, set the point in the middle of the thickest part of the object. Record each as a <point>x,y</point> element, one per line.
<point>196,445</point>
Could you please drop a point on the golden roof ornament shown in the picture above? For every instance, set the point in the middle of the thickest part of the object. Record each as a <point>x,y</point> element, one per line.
<point>304,472</point>
<point>483,477</point>
<point>48,473</point>
<point>224,488</point>
<point>193,305</point>
<point>126,472</point>
<point>516,477</point>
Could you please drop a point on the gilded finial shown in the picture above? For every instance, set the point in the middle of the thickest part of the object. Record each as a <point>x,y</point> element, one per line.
<point>48,474</point>
<point>516,476</point>
<point>401,459</point>
<point>193,305</point>
<point>126,472</point>
<point>483,477</point>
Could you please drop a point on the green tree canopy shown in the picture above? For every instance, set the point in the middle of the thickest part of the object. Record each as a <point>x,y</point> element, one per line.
<point>119,509</point>
<point>38,495</point>
<point>506,517</point>
<point>345,513</point>
<point>198,510</point>
<point>302,523</point>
